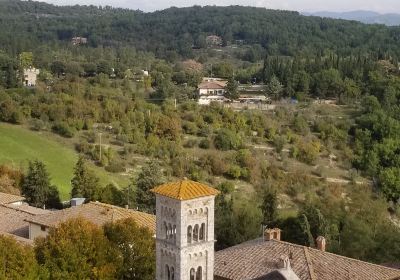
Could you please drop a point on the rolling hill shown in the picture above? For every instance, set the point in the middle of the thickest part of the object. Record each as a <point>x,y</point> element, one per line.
<point>18,145</point>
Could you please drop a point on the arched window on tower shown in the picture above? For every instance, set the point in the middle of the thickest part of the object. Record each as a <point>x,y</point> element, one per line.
<point>202,232</point>
<point>189,234</point>
<point>192,274</point>
<point>166,230</point>
<point>196,233</point>
<point>199,273</point>
<point>167,273</point>
<point>172,273</point>
<point>174,232</point>
<point>170,233</point>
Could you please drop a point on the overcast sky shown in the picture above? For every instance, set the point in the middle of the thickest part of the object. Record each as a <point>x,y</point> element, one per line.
<point>383,6</point>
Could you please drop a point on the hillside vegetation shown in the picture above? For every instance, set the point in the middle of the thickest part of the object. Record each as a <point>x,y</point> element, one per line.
<point>307,167</point>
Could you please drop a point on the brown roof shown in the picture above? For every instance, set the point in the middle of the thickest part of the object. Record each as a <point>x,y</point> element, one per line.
<point>185,190</point>
<point>212,85</point>
<point>12,219</point>
<point>255,259</point>
<point>6,198</point>
<point>96,212</point>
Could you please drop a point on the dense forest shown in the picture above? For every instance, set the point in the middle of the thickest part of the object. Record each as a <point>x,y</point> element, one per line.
<point>26,24</point>
<point>97,87</point>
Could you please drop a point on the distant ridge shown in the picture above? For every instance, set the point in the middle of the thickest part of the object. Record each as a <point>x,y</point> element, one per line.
<point>369,17</point>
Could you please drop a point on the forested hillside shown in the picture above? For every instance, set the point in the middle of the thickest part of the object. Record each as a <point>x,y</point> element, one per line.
<point>26,23</point>
<point>307,167</point>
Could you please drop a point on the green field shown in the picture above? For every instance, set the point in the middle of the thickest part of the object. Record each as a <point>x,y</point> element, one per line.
<point>18,145</point>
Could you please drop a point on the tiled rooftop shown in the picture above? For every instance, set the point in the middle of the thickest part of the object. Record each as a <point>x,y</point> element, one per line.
<point>6,198</point>
<point>212,85</point>
<point>185,190</point>
<point>253,260</point>
<point>12,219</point>
<point>96,212</point>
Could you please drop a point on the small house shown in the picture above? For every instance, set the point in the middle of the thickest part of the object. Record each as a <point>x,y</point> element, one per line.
<point>30,76</point>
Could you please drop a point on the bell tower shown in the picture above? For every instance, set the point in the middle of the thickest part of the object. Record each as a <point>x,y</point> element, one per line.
<point>185,231</point>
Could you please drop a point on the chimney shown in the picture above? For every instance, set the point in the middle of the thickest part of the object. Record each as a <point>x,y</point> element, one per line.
<point>284,262</point>
<point>272,234</point>
<point>321,243</point>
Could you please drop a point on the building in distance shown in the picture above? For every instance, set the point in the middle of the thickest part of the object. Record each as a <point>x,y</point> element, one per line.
<point>77,41</point>
<point>214,41</point>
<point>30,76</point>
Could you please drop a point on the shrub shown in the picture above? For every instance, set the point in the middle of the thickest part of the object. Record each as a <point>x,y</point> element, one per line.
<point>214,164</point>
<point>205,143</point>
<point>234,172</point>
<point>190,128</point>
<point>63,129</point>
<point>279,143</point>
<point>226,187</point>
<point>226,140</point>
<point>115,167</point>
<point>190,143</point>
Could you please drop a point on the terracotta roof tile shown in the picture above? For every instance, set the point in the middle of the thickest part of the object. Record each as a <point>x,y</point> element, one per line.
<point>96,212</point>
<point>6,198</point>
<point>257,258</point>
<point>185,190</point>
<point>12,219</point>
<point>212,85</point>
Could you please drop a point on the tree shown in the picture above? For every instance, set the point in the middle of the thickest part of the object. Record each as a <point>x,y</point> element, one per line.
<point>150,177</point>
<point>389,179</point>
<point>227,139</point>
<point>57,68</point>
<point>77,249</point>
<point>26,59</point>
<point>308,238</point>
<point>112,195</point>
<point>224,222</point>
<point>275,88</point>
<point>17,261</point>
<point>269,208</point>
<point>136,248</point>
<point>232,92</point>
<point>84,183</point>
<point>37,188</point>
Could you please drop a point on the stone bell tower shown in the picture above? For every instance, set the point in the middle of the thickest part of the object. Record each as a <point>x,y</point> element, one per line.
<point>185,231</point>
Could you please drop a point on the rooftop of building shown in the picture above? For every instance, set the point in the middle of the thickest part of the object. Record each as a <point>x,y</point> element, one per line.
<point>259,259</point>
<point>212,84</point>
<point>96,212</point>
<point>185,190</point>
<point>13,218</point>
<point>6,198</point>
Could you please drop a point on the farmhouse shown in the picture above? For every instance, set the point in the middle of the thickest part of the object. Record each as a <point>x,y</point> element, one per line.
<point>212,89</point>
<point>30,76</point>
<point>214,40</point>
<point>76,41</point>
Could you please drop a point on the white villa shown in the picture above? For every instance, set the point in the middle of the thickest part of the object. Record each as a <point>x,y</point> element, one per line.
<point>212,90</point>
<point>30,76</point>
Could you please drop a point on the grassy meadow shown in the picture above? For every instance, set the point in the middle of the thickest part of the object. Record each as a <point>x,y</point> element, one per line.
<point>18,145</point>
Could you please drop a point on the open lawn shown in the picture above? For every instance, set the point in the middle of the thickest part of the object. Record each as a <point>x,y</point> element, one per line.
<point>18,145</point>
